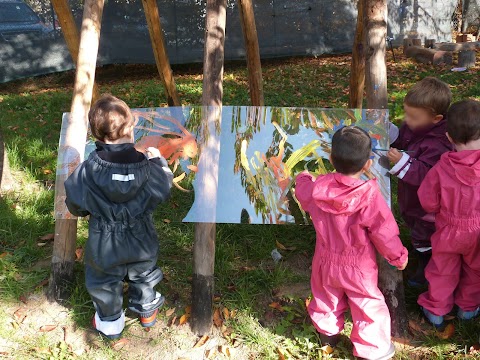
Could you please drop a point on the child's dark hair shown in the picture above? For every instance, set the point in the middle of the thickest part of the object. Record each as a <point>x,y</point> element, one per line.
<point>430,94</point>
<point>351,149</point>
<point>109,117</point>
<point>463,121</point>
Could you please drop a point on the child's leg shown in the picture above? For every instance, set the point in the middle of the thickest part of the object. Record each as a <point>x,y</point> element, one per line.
<point>421,232</point>
<point>142,277</point>
<point>467,295</point>
<point>106,291</point>
<point>328,305</point>
<point>371,336</point>
<point>443,275</point>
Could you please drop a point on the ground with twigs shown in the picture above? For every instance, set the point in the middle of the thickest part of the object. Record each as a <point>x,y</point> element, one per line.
<point>260,306</point>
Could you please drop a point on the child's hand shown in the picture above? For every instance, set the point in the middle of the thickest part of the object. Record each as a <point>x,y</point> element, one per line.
<point>305,172</point>
<point>394,155</point>
<point>403,266</point>
<point>152,153</point>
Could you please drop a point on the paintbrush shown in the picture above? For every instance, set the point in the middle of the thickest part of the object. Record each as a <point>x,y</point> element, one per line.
<point>405,151</point>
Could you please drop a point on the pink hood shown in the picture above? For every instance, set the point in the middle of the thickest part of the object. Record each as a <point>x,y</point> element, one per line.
<point>463,165</point>
<point>340,194</point>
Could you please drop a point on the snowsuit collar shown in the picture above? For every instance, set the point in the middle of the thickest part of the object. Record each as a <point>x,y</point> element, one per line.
<point>341,194</point>
<point>463,165</point>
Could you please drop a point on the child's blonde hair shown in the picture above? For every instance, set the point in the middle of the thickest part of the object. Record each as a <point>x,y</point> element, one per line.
<point>430,94</point>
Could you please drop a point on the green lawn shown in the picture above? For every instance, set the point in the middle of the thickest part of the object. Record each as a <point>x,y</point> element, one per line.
<point>247,281</point>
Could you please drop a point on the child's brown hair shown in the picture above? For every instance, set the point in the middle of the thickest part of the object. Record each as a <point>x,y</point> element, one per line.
<point>351,149</point>
<point>109,117</point>
<point>430,94</point>
<point>463,121</point>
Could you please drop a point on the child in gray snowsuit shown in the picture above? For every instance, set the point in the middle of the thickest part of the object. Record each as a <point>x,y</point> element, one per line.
<point>119,188</point>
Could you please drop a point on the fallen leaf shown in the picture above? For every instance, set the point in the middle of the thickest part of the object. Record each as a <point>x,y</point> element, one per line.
<point>280,355</point>
<point>188,310</point>
<point>169,312</point>
<point>47,328</point>
<point>183,319</point>
<point>280,245</point>
<point>233,313</point>
<point>276,305</point>
<point>307,302</point>
<point>41,244</point>
<point>47,172</point>
<point>209,354</point>
<point>216,298</point>
<point>167,221</point>
<point>248,268</point>
<point>118,345</point>
<point>42,283</point>
<point>2,255</point>
<point>474,349</point>
<point>47,237</point>
<point>447,333</point>
<point>172,321</point>
<point>201,341</point>
<point>20,315</point>
<point>23,299</point>
<point>217,319</point>
<point>401,341</point>
<point>226,313</point>
<point>327,349</point>
<point>78,254</point>
<point>416,327</point>
<point>222,349</point>
<point>43,350</point>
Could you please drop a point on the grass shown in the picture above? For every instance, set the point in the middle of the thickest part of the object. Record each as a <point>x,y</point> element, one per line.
<point>246,278</point>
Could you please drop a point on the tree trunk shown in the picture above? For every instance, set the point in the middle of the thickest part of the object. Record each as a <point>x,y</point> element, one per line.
<point>70,33</point>
<point>160,51</point>
<point>357,71</point>
<point>6,180</point>
<point>207,175</point>
<point>255,82</point>
<point>70,156</point>
<point>390,280</point>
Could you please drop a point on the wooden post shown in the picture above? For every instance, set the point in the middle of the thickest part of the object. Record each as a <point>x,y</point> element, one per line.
<point>70,33</point>
<point>63,257</point>
<point>407,42</point>
<point>390,280</point>
<point>429,43</point>
<point>204,245</point>
<point>357,68</point>
<point>417,42</point>
<point>466,58</point>
<point>255,82</point>
<point>6,180</point>
<point>160,51</point>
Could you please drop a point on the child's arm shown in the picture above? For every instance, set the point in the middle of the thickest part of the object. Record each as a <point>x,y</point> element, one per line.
<point>383,232</point>
<point>75,190</point>
<point>413,170</point>
<point>303,189</point>
<point>429,192</point>
<point>162,176</point>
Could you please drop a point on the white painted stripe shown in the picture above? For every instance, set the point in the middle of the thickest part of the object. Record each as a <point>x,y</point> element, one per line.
<point>120,177</point>
<point>404,171</point>
<point>424,249</point>
<point>167,169</point>
<point>110,327</point>
<point>399,166</point>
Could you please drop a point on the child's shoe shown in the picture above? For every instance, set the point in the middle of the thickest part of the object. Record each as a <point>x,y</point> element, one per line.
<point>110,329</point>
<point>435,320</point>
<point>468,315</point>
<point>148,319</point>
<point>332,341</point>
<point>418,279</point>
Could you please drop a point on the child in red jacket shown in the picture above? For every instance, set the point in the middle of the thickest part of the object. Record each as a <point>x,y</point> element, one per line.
<point>351,219</point>
<point>416,150</point>
<point>451,190</point>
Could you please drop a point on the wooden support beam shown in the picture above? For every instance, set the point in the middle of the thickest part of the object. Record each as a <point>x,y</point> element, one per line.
<point>390,281</point>
<point>429,56</point>
<point>160,51</point>
<point>63,257</point>
<point>70,33</point>
<point>255,82</point>
<point>204,245</point>
<point>357,68</point>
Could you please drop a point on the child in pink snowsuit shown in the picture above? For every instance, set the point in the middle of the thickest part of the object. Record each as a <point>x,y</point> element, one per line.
<point>351,219</point>
<point>451,190</point>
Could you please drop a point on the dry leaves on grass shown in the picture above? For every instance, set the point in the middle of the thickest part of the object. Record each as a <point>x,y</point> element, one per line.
<point>47,328</point>
<point>275,305</point>
<point>201,341</point>
<point>447,333</point>
<point>47,237</point>
<point>119,344</point>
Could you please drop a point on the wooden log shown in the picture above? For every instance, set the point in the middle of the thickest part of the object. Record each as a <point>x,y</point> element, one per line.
<point>390,280</point>
<point>249,28</point>
<point>160,51</point>
<point>429,56</point>
<point>357,68</point>
<point>407,42</point>
<point>417,42</point>
<point>207,175</point>
<point>6,179</point>
<point>429,43</point>
<point>63,257</point>
<point>70,33</point>
<point>457,46</point>
<point>466,58</point>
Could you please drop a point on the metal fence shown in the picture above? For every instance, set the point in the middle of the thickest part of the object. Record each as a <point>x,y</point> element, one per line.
<point>31,42</point>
